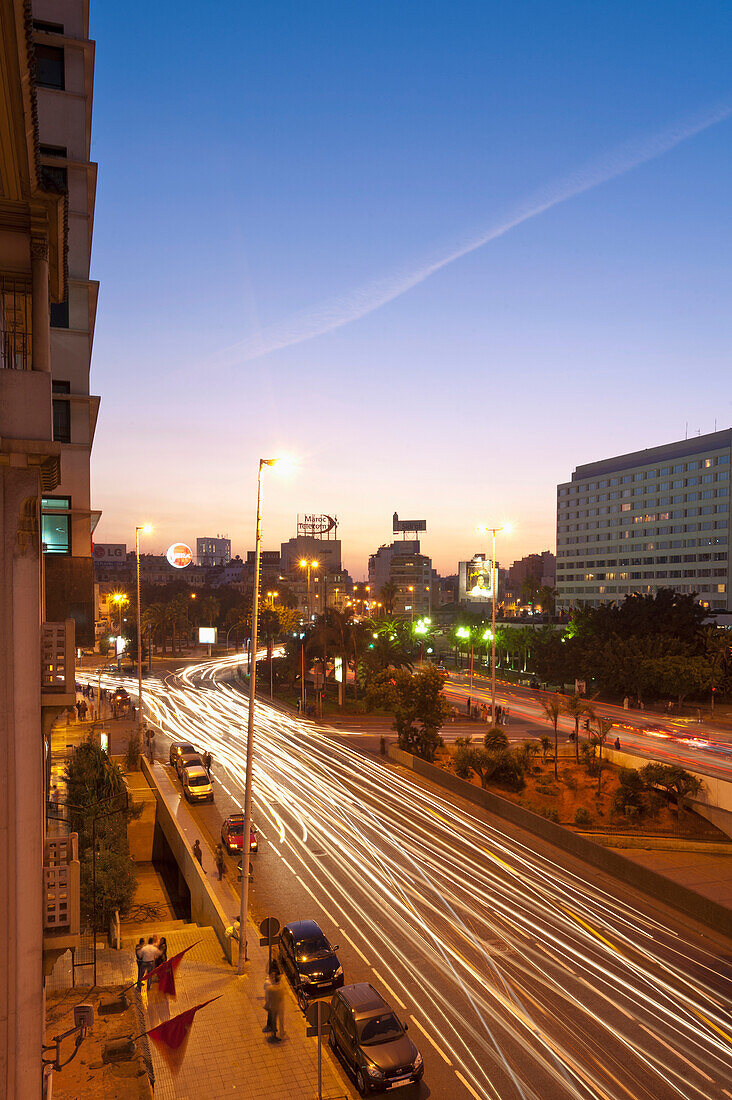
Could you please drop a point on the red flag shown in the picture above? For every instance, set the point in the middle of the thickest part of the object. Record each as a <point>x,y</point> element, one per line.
<point>166,972</point>
<point>172,1032</point>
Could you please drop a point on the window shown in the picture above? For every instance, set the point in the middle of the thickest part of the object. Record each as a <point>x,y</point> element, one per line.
<point>59,312</point>
<point>50,66</point>
<point>15,323</point>
<point>61,414</point>
<point>55,177</point>
<point>56,525</point>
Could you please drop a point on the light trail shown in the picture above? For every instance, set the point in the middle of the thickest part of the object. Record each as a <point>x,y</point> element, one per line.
<point>556,987</point>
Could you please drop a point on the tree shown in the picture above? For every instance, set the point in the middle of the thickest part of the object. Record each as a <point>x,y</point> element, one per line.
<point>680,676</point>
<point>388,595</point>
<point>114,877</point>
<point>673,780</point>
<point>209,608</point>
<point>546,744</point>
<point>471,758</point>
<point>153,618</point>
<point>421,712</point>
<point>552,709</point>
<point>546,597</point>
<point>604,725</point>
<point>528,751</point>
<point>495,739</point>
<point>577,708</point>
<point>384,651</point>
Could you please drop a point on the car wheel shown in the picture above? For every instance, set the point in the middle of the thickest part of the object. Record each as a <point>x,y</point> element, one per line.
<point>361,1084</point>
<point>302,1000</point>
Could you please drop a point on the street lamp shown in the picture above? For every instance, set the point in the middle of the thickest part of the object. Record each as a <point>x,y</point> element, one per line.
<point>410,589</point>
<point>305,564</point>
<point>493,531</point>
<point>145,529</point>
<point>244,900</point>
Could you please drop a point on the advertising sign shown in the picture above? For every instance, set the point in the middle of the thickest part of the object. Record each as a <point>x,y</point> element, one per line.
<point>207,635</point>
<point>476,580</point>
<point>404,525</point>
<point>110,553</point>
<point>179,555</point>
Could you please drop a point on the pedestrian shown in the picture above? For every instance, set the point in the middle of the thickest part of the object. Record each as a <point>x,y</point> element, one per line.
<point>138,948</point>
<point>197,852</point>
<point>207,760</point>
<point>277,1006</point>
<point>484,713</point>
<point>499,712</point>
<point>55,795</point>
<point>617,742</point>
<point>220,864</point>
<point>467,705</point>
<point>299,705</point>
<point>149,954</point>
<point>272,970</point>
<point>163,949</point>
<point>506,713</point>
<point>151,745</point>
<point>626,703</point>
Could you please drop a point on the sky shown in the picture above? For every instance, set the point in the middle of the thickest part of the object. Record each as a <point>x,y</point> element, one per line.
<point>439,253</point>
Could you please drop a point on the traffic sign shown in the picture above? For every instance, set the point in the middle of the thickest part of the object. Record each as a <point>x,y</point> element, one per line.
<point>268,929</point>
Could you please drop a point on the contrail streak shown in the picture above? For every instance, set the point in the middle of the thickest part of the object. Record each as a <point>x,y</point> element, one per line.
<point>308,323</point>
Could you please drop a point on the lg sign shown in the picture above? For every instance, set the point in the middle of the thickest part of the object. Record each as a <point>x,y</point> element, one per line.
<point>110,553</point>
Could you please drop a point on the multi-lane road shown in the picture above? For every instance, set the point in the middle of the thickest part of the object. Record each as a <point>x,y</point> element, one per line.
<point>519,972</point>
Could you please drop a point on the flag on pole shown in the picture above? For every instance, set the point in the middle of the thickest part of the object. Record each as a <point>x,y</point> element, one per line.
<point>171,1033</point>
<point>166,972</point>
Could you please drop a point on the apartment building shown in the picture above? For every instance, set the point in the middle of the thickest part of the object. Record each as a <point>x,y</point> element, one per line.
<point>213,551</point>
<point>402,565</point>
<point>657,518</point>
<point>64,58</point>
<point>39,886</point>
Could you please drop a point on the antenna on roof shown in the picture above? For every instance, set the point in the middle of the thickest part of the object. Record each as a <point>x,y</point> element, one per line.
<point>686,432</point>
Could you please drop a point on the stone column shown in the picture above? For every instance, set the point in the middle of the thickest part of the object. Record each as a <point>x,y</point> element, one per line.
<point>41,327</point>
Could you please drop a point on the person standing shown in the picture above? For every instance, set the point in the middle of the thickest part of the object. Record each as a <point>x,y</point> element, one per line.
<point>277,1006</point>
<point>268,981</point>
<point>149,955</point>
<point>138,948</point>
<point>467,705</point>
<point>198,852</point>
<point>220,864</point>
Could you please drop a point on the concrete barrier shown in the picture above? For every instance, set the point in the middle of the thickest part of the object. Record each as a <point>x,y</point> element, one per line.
<point>205,907</point>
<point>649,882</point>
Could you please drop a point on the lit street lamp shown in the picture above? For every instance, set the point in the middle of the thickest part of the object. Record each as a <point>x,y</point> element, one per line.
<point>145,529</point>
<point>305,564</point>
<point>508,528</point>
<point>244,900</point>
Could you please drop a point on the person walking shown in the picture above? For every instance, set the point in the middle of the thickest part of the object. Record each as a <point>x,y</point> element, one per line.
<point>138,948</point>
<point>467,705</point>
<point>219,859</point>
<point>198,852</point>
<point>277,1006</point>
<point>272,970</point>
<point>163,949</point>
<point>207,761</point>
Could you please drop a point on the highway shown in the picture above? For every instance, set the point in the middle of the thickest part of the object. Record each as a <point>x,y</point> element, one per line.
<point>699,746</point>
<point>520,973</point>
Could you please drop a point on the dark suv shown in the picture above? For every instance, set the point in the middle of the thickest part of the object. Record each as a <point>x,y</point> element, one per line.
<point>309,961</point>
<point>371,1040</point>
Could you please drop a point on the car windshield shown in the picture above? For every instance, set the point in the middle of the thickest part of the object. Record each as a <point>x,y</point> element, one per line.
<point>379,1029</point>
<point>197,780</point>
<point>312,948</point>
<point>185,750</point>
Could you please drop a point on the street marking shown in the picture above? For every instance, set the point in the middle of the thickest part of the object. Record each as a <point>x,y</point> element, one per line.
<point>712,1024</point>
<point>287,865</point>
<point>676,1052</point>
<point>396,996</point>
<point>355,947</point>
<point>429,1039</point>
<point>468,1086</point>
<point>316,899</point>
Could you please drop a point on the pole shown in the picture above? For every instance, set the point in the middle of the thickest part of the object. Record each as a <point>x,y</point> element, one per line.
<point>472,662</point>
<point>94,892</point>
<point>302,677</point>
<point>493,631</point>
<point>139,638</point>
<point>320,1052</point>
<point>244,901</point>
<point>149,649</point>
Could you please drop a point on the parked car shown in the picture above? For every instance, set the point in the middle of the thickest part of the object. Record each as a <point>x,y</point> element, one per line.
<point>196,784</point>
<point>371,1040</point>
<point>309,961</point>
<point>232,834</point>
<point>187,760</point>
<point>177,748</point>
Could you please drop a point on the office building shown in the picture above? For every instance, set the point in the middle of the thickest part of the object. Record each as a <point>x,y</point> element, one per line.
<point>657,518</point>
<point>213,551</point>
<point>402,565</point>
<point>327,552</point>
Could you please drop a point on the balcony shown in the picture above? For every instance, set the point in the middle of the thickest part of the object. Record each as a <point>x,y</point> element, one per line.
<point>61,892</point>
<point>58,664</point>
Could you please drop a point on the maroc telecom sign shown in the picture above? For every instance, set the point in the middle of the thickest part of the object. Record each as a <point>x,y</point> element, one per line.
<point>179,555</point>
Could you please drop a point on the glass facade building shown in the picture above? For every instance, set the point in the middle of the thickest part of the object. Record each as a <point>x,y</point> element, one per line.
<point>652,519</point>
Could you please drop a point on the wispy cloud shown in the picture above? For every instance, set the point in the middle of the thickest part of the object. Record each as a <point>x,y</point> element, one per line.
<point>314,321</point>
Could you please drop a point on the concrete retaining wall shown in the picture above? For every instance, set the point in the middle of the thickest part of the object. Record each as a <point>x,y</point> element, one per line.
<point>205,908</point>
<point>605,859</point>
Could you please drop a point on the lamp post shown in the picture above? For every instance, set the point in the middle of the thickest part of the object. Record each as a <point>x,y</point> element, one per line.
<point>145,529</point>
<point>305,564</point>
<point>507,527</point>
<point>410,589</point>
<point>244,900</point>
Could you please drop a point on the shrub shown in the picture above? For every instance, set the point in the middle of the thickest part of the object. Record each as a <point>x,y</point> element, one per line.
<point>134,751</point>
<point>510,771</point>
<point>495,739</point>
<point>582,817</point>
<point>549,814</point>
<point>471,759</point>
<point>630,795</point>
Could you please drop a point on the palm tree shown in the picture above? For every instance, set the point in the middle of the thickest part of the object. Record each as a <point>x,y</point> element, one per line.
<point>153,617</point>
<point>209,610</point>
<point>546,597</point>
<point>552,709</point>
<point>577,708</point>
<point>604,725</point>
<point>545,743</point>
<point>495,740</point>
<point>388,595</point>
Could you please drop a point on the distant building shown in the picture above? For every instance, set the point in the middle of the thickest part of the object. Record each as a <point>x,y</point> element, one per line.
<point>542,567</point>
<point>403,565</point>
<point>213,551</point>
<point>270,572</point>
<point>327,552</point>
<point>652,519</point>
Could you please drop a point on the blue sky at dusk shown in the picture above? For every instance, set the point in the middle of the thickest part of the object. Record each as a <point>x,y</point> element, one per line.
<point>266,170</point>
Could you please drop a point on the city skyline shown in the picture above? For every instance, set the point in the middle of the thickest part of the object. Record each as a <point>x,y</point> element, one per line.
<point>448,292</point>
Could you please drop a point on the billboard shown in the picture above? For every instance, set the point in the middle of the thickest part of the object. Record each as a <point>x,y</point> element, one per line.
<point>110,553</point>
<point>179,555</point>
<point>476,580</point>
<point>403,525</point>
<point>207,635</point>
<point>314,526</point>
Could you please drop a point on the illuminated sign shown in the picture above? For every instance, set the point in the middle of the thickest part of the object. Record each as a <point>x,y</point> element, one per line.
<point>207,635</point>
<point>312,526</point>
<point>476,580</point>
<point>179,555</point>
